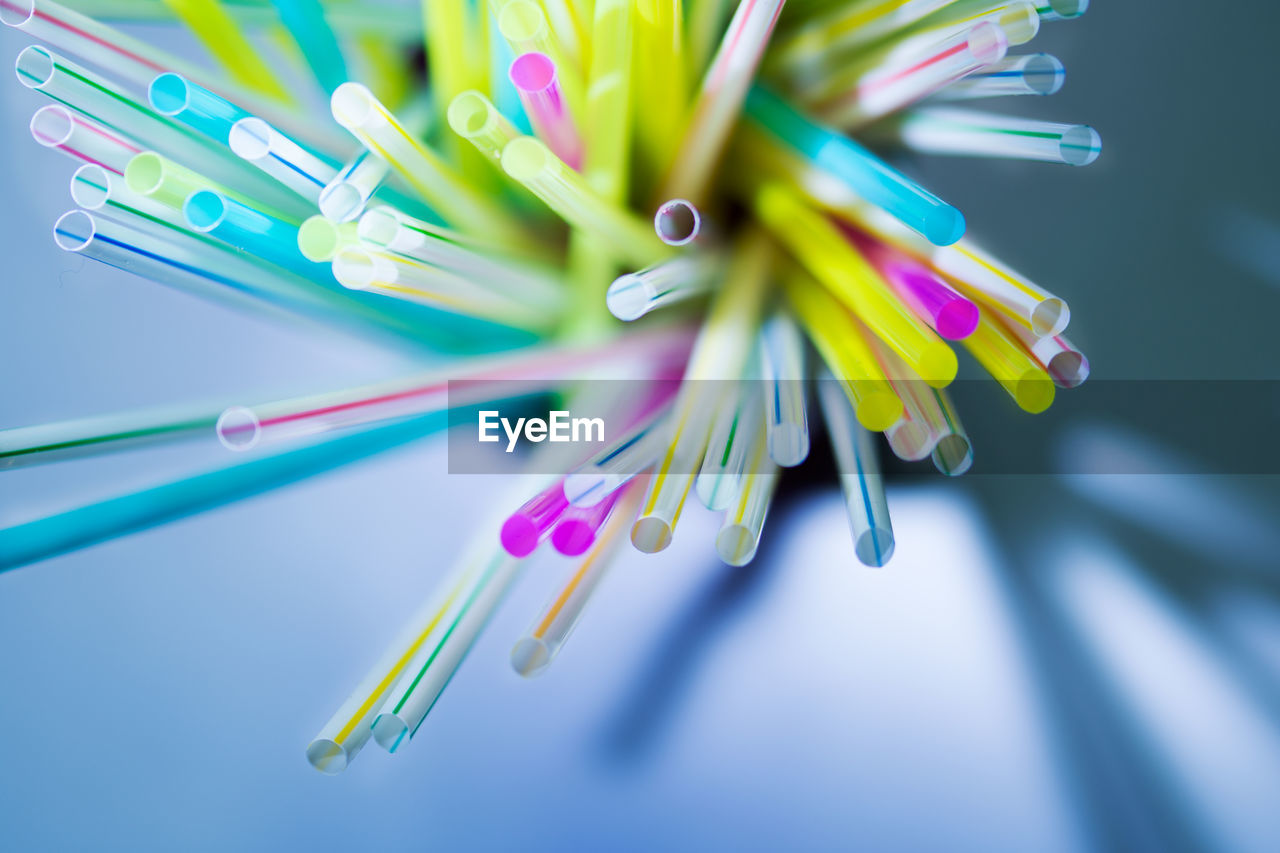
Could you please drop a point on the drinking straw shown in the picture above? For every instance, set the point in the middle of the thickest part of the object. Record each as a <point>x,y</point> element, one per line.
<point>677,222</point>
<point>534,76</point>
<point>942,130</point>
<point>953,454</point>
<point>484,379</point>
<point>782,359</point>
<point>720,353</point>
<point>707,19</point>
<point>523,25</point>
<point>344,198</point>
<point>530,162</point>
<point>1066,365</point>
<point>739,419</point>
<point>860,479</point>
<point>500,58</point>
<point>869,177</point>
<point>473,117</point>
<point>305,21</point>
<point>165,182</point>
<point>36,445</point>
<point>579,527</point>
<point>448,193</point>
<point>879,85</point>
<point>634,294</point>
<point>336,745</point>
<point>1028,74</point>
<point>458,54</point>
<point>433,665</point>
<point>660,85</point>
<point>221,36</point>
<point>1001,355</point>
<point>192,105</point>
<point>849,26</point>
<point>845,351</point>
<point>716,108</point>
<point>996,285</point>
<point>100,521</point>
<point>57,127</point>
<point>569,27</point>
<point>1018,19</point>
<point>525,528</point>
<point>257,142</point>
<point>609,470</point>
<point>910,438</point>
<point>250,230</point>
<point>386,21</point>
<point>320,239</point>
<point>834,261</point>
<point>535,651</point>
<point>607,111</point>
<point>93,188</point>
<point>1061,10</point>
<point>925,292</point>
<point>740,530</point>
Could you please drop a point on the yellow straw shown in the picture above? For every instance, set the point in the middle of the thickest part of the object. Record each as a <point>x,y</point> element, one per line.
<point>524,26</point>
<point>999,352</point>
<point>457,49</point>
<point>608,113</point>
<point>221,35</point>
<point>660,84</point>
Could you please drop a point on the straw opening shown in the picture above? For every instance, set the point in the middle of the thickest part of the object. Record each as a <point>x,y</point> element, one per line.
<point>1069,369</point>
<point>469,115</point>
<point>378,227</point>
<point>327,756</point>
<point>987,42</point>
<point>736,545</point>
<point>530,656</point>
<point>533,72</point>
<point>874,547</point>
<point>74,231</point>
<point>52,126</point>
<point>626,298</point>
<point>205,210</point>
<point>1044,74</point>
<point>389,730</point>
<point>34,67</point>
<point>354,268</point>
<point>250,138</point>
<point>677,222</point>
<point>1033,391</point>
<point>144,173</point>
<point>238,428</point>
<point>318,239</point>
<point>953,455</point>
<point>1080,145</point>
<point>351,105</point>
<point>90,186</point>
<point>341,202</point>
<point>525,158</point>
<point>169,94</point>
<point>15,13</point>
<point>1069,8</point>
<point>1050,317</point>
<point>651,534</point>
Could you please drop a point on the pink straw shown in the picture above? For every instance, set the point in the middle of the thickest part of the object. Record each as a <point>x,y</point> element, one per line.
<point>579,526</point>
<point>531,523</point>
<point>924,291</point>
<point>534,76</point>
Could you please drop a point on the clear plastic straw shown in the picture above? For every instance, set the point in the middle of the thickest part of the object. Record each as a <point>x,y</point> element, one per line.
<point>860,478</point>
<point>1066,365</point>
<point>535,651</point>
<point>345,197</point>
<point>1061,10</point>
<point>868,176</point>
<point>255,141</point>
<point>951,315</point>
<point>534,76</point>
<point>320,239</point>
<point>305,20</point>
<point>194,106</point>
<point>165,182</point>
<point>677,222</point>
<point>1018,19</point>
<point>969,133</point>
<point>634,294</point>
<point>911,438</point>
<point>739,535</point>
<point>953,454</point>
<point>739,419</point>
<point>604,474</point>
<point>93,188</point>
<point>992,283</point>
<point>474,117</point>
<point>58,127</point>
<point>782,360</point>
<point>1027,74</point>
<point>530,162</point>
<point>999,351</point>
<point>845,28</point>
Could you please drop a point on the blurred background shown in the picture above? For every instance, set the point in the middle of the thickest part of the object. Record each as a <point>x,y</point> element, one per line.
<point>1071,661</point>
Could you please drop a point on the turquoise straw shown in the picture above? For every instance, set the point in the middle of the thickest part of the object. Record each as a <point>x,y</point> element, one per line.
<point>252,231</point>
<point>194,106</point>
<point>129,513</point>
<point>305,21</point>
<point>870,177</point>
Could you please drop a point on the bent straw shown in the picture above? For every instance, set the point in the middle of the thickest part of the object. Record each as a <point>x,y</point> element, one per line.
<point>1001,355</point>
<point>719,101</point>
<point>634,294</point>
<point>579,527</point>
<point>92,523</point>
<point>57,127</point>
<point>320,239</point>
<point>738,420</point>
<point>534,76</point>
<point>192,105</point>
<point>782,359</point>
<point>953,454</point>
<point>938,130</point>
<point>550,630</point>
<point>1029,74</point>
<point>933,300</point>
<point>355,108</point>
<point>720,353</point>
<point>845,351</point>
<point>53,442</point>
<point>740,530</point>
<point>344,198</point>
<point>864,173</point>
<point>305,21</point>
<point>256,142</point>
<point>221,36</point>
<point>837,264</point>
<point>860,479</point>
<point>530,162</point>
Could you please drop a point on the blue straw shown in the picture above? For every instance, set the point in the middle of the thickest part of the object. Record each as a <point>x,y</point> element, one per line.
<point>306,23</point>
<point>252,231</point>
<point>195,106</point>
<point>866,174</point>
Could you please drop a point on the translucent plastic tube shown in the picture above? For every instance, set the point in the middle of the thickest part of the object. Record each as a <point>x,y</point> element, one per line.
<point>716,108</point>
<point>677,222</point>
<point>320,239</point>
<point>911,437</point>
<point>535,651</point>
<point>578,527</point>
<point>877,88</point>
<point>524,26</point>
<point>94,188</point>
<point>222,37</point>
<point>305,21</point>
<point>860,478</point>
<point>530,162</point>
<point>165,182</point>
<point>831,258</point>
<point>635,450</point>
<point>58,127</point>
<point>474,117</point>
<point>634,294</point>
<point>845,351</point>
<point>528,526</point>
<point>999,352</point>
<point>35,445</point>
<point>953,454</point>
<point>534,76</point>
<point>607,115</point>
<point>1065,364</point>
<point>1018,19</point>
<point>1029,74</point>
<point>951,315</point>
<point>355,108</point>
<point>1061,10</point>
<point>435,662</point>
<point>251,230</point>
<point>567,22</point>
<point>196,107</point>
<point>989,281</point>
<point>849,26</point>
<point>782,359</point>
<point>940,130</point>
<point>257,142</point>
<point>344,198</point>
<point>739,535</point>
<point>707,21</point>
<point>661,100</point>
<point>864,173</point>
<point>739,419</point>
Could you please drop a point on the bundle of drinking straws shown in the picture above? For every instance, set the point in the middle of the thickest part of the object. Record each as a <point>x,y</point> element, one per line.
<point>663,192</point>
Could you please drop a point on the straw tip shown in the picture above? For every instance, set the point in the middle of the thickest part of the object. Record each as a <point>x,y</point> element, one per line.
<point>943,225</point>
<point>879,410</point>
<point>650,534</point>
<point>530,656</point>
<point>169,94</point>
<point>1033,391</point>
<point>327,756</point>
<point>524,158</point>
<point>519,536</point>
<point>736,545</point>
<point>874,547</point>
<point>957,319</point>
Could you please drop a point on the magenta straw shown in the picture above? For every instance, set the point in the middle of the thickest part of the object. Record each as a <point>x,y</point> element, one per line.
<point>534,76</point>
<point>579,525</point>
<point>924,291</point>
<point>531,523</point>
